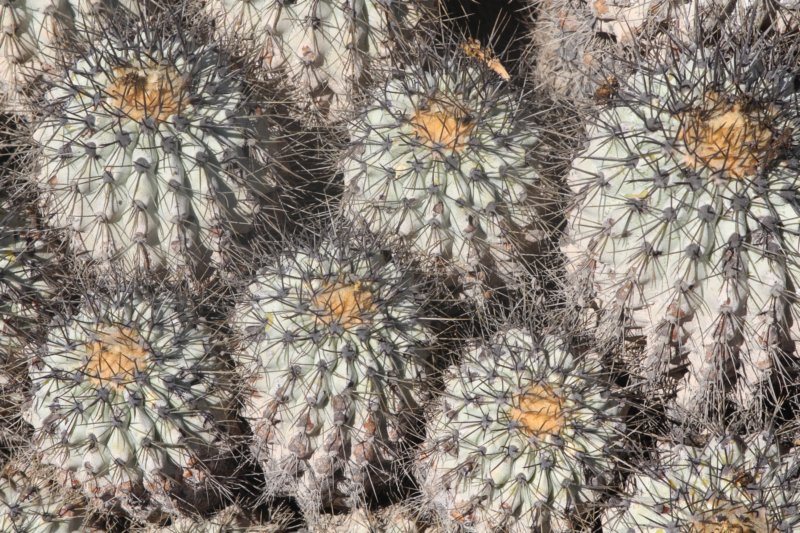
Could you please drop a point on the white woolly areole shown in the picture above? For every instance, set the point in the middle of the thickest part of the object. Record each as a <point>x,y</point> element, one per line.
<point>29,503</point>
<point>516,436</point>
<point>685,221</point>
<point>726,486</point>
<point>142,156</point>
<point>325,46</point>
<point>30,30</point>
<point>129,393</point>
<point>334,352</point>
<point>439,161</point>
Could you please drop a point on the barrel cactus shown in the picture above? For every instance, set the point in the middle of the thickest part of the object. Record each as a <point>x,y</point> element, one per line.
<point>727,485</point>
<point>326,47</point>
<point>335,352</point>
<point>30,32</point>
<point>684,223</point>
<point>443,161</point>
<point>519,437</point>
<point>144,154</point>
<point>130,398</point>
<point>30,502</point>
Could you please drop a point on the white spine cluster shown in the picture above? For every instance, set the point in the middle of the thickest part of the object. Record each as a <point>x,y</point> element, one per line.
<point>518,436</point>
<point>334,350</point>
<point>685,220</point>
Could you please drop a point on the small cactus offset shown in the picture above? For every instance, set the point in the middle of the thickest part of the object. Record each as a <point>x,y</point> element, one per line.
<point>327,48</point>
<point>144,155</point>
<point>443,160</point>
<point>519,437</point>
<point>684,223</point>
<point>336,355</point>
<point>728,485</point>
<point>130,399</point>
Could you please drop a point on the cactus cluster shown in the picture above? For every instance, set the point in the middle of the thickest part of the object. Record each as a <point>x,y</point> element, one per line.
<point>399,266</point>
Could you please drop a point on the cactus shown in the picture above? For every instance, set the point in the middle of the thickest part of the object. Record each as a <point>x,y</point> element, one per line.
<point>334,350</point>
<point>327,48</point>
<point>129,396</point>
<point>398,518</point>
<point>519,437</point>
<point>30,32</point>
<point>441,162</point>
<point>144,155</point>
<point>727,485</point>
<point>232,519</point>
<point>682,224</point>
<point>567,52</point>
<point>30,502</point>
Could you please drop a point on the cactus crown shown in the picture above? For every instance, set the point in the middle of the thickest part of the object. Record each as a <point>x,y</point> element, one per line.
<point>539,410</point>
<point>115,356</point>
<point>729,138</point>
<point>151,91</point>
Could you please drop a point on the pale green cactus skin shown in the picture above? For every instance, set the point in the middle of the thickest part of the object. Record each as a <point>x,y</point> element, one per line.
<point>697,253</point>
<point>130,396</point>
<point>333,395</point>
<point>487,468</point>
<point>727,485</point>
<point>30,503</point>
<point>155,186</point>
<point>326,47</point>
<point>440,163</point>
<point>30,32</point>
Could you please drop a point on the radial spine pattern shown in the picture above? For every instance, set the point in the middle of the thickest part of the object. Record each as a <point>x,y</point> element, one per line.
<point>686,219</point>
<point>336,355</point>
<point>724,486</point>
<point>143,155</point>
<point>130,394</point>
<point>519,431</point>
<point>441,160</point>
